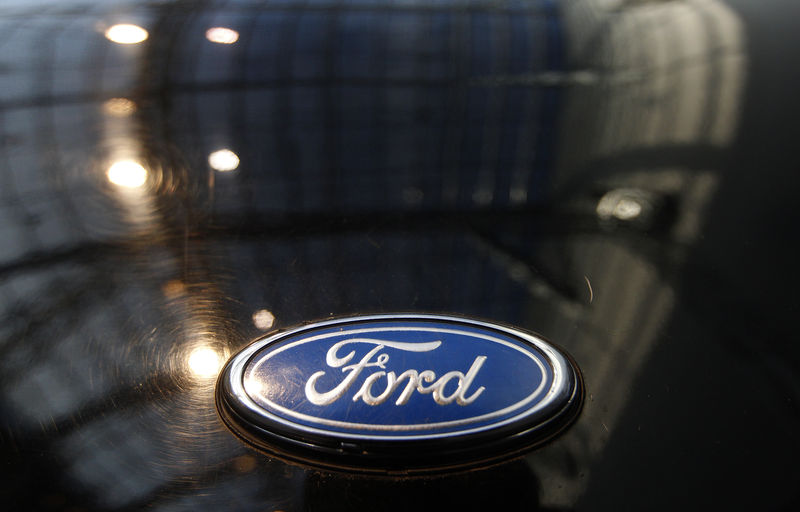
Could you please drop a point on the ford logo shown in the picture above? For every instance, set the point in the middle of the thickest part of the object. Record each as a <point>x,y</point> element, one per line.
<point>399,393</point>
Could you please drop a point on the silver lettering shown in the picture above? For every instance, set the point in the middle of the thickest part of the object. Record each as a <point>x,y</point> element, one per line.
<point>465,383</point>
<point>365,393</point>
<point>331,396</point>
<point>424,382</point>
<point>413,383</point>
<point>438,387</point>
<point>426,376</point>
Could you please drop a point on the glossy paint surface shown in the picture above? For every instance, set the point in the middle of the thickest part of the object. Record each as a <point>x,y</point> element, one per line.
<point>178,179</point>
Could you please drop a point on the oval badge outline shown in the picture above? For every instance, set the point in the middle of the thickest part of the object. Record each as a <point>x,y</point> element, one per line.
<point>560,385</point>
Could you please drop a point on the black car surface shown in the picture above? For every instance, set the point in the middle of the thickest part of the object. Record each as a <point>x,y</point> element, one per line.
<point>180,178</point>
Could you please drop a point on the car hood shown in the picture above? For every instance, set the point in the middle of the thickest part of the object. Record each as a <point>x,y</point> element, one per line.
<point>610,174</point>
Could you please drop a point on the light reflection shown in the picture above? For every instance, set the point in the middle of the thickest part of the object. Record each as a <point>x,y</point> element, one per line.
<point>127,173</point>
<point>263,319</point>
<point>253,387</point>
<point>622,204</point>
<point>204,362</point>
<point>119,107</point>
<point>222,35</point>
<point>126,33</point>
<point>627,209</point>
<point>173,288</point>
<point>223,160</point>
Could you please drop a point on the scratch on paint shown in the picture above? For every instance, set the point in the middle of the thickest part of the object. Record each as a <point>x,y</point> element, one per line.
<point>604,426</point>
<point>591,293</point>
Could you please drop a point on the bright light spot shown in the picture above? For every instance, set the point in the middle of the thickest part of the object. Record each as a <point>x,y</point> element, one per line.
<point>126,34</point>
<point>623,204</point>
<point>222,35</point>
<point>127,173</point>
<point>119,107</point>
<point>263,319</point>
<point>253,387</point>
<point>223,160</point>
<point>204,362</point>
<point>627,209</point>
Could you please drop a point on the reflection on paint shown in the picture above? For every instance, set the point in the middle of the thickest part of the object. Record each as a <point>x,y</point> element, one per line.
<point>126,33</point>
<point>127,173</point>
<point>627,209</point>
<point>263,319</point>
<point>119,107</point>
<point>622,204</point>
<point>204,362</point>
<point>222,35</point>
<point>223,160</point>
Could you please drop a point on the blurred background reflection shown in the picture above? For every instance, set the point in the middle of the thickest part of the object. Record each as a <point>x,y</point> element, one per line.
<point>552,165</point>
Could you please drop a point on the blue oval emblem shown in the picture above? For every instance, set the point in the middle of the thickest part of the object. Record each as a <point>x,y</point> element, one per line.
<point>401,392</point>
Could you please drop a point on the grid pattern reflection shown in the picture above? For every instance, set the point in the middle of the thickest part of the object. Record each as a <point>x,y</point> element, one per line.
<point>367,107</point>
